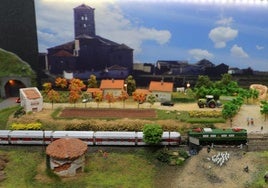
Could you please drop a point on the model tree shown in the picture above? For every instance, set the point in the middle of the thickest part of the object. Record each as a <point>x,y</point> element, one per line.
<point>264,108</point>
<point>53,96</point>
<point>98,98</point>
<point>152,133</point>
<point>130,84</point>
<point>110,98</point>
<point>123,97</point>
<point>75,87</point>
<point>139,98</point>
<point>61,82</point>
<point>151,99</point>
<point>47,87</point>
<point>92,81</point>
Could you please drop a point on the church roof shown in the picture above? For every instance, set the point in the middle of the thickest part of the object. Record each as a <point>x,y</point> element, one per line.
<point>65,46</point>
<point>116,67</point>
<point>84,36</point>
<point>69,46</point>
<point>123,46</point>
<point>83,6</point>
<point>63,53</point>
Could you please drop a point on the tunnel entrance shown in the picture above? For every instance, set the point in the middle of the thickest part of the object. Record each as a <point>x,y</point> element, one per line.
<point>12,88</point>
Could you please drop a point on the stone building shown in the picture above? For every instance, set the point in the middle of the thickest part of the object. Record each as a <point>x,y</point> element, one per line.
<point>31,99</point>
<point>162,90</point>
<point>67,156</point>
<point>88,51</point>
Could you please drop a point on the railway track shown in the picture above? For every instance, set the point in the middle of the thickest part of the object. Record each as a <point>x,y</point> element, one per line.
<point>257,142</point>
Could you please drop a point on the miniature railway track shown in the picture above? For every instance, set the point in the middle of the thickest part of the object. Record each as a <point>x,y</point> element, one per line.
<point>257,142</point>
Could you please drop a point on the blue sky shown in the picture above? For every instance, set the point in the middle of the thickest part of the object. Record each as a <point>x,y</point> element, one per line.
<point>234,32</point>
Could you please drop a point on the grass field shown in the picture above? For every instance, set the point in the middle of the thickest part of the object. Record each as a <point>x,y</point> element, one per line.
<point>121,168</point>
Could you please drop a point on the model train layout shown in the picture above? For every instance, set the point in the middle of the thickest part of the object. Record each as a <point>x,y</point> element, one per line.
<point>18,137</point>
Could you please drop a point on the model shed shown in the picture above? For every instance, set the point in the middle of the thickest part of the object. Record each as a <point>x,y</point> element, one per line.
<point>31,99</point>
<point>67,156</point>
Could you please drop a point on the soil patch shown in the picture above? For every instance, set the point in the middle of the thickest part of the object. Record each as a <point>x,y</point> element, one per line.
<point>108,113</point>
<point>200,171</point>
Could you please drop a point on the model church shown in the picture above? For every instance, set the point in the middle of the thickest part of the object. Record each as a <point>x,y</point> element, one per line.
<point>89,53</point>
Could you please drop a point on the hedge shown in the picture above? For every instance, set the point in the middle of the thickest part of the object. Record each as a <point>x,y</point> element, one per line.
<point>28,126</point>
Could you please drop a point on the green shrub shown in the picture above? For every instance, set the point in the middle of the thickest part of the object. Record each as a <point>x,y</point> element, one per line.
<point>172,157</point>
<point>20,112</point>
<point>163,156</point>
<point>152,134</point>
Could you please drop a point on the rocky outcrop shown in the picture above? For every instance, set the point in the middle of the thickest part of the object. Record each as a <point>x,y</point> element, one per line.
<point>262,89</point>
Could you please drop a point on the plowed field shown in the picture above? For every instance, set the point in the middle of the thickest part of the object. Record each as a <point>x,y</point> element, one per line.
<point>108,113</point>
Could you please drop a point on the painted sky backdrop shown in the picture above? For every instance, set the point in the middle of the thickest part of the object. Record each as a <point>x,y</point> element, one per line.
<point>234,32</point>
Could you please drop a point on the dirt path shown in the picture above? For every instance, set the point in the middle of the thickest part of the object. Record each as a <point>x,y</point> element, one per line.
<point>247,112</point>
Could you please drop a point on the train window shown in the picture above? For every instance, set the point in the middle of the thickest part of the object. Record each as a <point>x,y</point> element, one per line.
<point>224,135</point>
<point>213,135</point>
<point>231,135</point>
<point>205,136</point>
<point>37,139</point>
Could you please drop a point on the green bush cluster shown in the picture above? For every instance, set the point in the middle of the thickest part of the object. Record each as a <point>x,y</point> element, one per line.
<point>208,114</point>
<point>172,157</point>
<point>20,112</point>
<point>152,133</point>
<point>28,126</point>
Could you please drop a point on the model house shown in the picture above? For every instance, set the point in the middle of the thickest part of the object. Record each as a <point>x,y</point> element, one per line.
<point>31,99</point>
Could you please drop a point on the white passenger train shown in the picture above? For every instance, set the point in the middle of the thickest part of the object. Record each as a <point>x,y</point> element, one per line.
<point>121,138</point>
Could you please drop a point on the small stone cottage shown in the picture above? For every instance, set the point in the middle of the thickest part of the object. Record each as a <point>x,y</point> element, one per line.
<point>67,156</point>
<point>31,99</point>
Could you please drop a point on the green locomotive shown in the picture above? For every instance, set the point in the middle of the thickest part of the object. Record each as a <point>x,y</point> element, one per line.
<point>206,136</point>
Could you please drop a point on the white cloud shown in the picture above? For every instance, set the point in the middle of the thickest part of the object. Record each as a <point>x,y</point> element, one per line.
<point>259,47</point>
<point>238,51</point>
<point>200,54</point>
<point>55,24</point>
<point>221,35</point>
<point>225,21</point>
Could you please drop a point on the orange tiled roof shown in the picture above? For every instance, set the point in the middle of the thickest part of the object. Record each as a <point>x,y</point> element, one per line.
<point>144,91</point>
<point>161,86</point>
<point>94,90</point>
<point>112,84</point>
<point>66,148</point>
<point>31,93</point>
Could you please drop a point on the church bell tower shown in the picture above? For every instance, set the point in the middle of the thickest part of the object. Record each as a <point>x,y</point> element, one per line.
<point>84,22</point>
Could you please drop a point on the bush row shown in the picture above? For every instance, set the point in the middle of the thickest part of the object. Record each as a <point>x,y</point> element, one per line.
<point>29,126</point>
<point>207,114</point>
<point>120,125</point>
